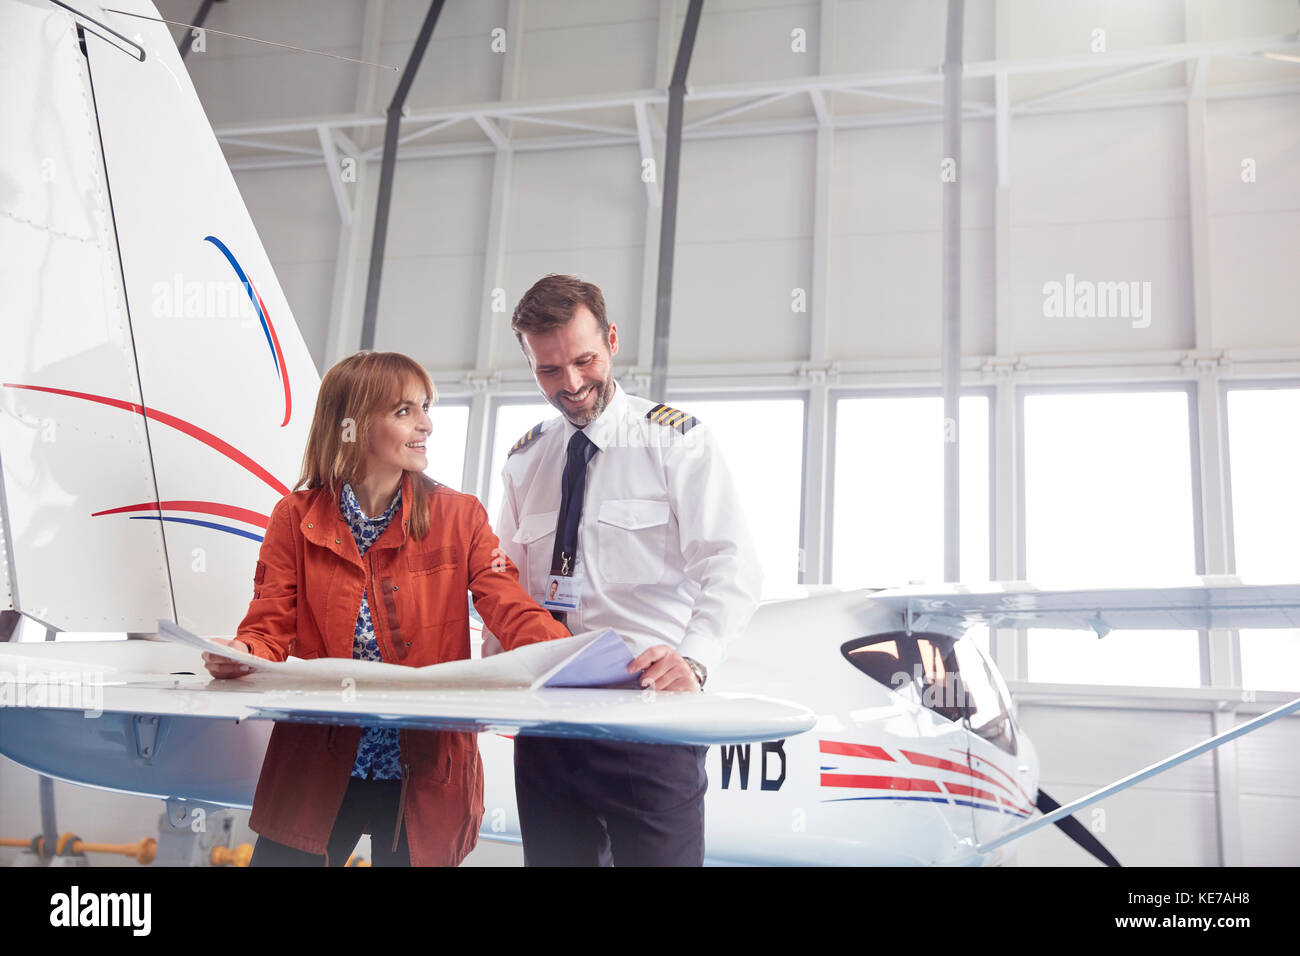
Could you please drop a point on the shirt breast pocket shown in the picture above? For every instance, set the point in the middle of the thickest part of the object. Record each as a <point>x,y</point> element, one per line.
<point>632,535</point>
<point>536,536</point>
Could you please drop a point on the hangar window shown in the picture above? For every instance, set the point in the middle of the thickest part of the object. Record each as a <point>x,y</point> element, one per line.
<point>762,443</point>
<point>1108,502</point>
<point>446,445</point>
<point>1264,458</point>
<point>950,677</point>
<point>512,421</point>
<point>887,513</point>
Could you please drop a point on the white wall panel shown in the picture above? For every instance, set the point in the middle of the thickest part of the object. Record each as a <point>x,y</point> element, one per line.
<point>241,81</point>
<point>748,188</point>
<point>440,207</point>
<point>752,41</point>
<point>1242,20</point>
<point>430,298</point>
<point>1116,165</point>
<point>616,269</point>
<point>1143,827</point>
<point>888,179</point>
<point>1166,821</point>
<point>886,266</point>
<point>1238,130</point>
<point>454,70</point>
<point>915,33</point>
<point>732,301</point>
<point>1035,30</point>
<point>1105,205</point>
<point>586,58</point>
<point>887,294</point>
<point>1065,28</point>
<point>579,213</point>
<point>1266,760</point>
<point>744,243</point>
<point>293,210</point>
<point>272,86</point>
<point>1255,285</point>
<point>402,19</point>
<point>1254,226</point>
<point>559,14</point>
<point>428,308</point>
<point>564,199</point>
<point>1150,250</point>
<point>1116,743</point>
<point>313,24</point>
<point>459,64</point>
<point>739,6</point>
<point>1269,836</point>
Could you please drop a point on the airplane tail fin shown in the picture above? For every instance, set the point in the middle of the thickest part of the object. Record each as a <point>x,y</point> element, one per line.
<point>155,392</point>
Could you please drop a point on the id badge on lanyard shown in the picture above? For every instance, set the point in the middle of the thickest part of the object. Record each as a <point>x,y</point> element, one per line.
<point>563,591</point>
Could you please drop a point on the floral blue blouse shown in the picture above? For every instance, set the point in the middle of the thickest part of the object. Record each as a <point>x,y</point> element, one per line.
<point>379,755</point>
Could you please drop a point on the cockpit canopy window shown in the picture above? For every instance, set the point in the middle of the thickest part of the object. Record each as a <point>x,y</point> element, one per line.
<point>950,677</point>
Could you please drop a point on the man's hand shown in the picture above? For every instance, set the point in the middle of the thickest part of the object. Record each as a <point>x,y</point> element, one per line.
<point>664,670</point>
<point>223,666</point>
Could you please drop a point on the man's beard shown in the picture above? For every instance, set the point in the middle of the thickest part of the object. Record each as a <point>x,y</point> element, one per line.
<point>604,393</point>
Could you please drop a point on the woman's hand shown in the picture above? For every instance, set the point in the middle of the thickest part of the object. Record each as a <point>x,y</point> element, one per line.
<point>223,666</point>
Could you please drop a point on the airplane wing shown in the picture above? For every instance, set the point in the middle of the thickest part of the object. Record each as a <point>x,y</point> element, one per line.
<point>1214,602</point>
<point>496,694</point>
<point>143,717</point>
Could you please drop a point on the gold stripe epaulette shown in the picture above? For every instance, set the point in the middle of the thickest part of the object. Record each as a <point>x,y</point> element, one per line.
<point>673,418</point>
<point>532,435</point>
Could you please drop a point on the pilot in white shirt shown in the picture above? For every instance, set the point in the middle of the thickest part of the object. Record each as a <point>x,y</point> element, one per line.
<point>620,513</point>
<point>664,552</point>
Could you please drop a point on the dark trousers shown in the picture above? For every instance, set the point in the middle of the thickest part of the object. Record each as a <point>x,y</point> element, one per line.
<point>610,803</point>
<point>368,805</point>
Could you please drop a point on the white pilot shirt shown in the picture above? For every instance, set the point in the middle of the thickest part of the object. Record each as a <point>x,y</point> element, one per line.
<point>664,550</point>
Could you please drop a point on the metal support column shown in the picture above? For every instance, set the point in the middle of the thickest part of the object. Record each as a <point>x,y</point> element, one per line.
<point>668,224</point>
<point>814,566</point>
<point>951,350</point>
<point>49,825</point>
<point>1007,643</point>
<point>343,334</point>
<point>199,18</point>
<point>1220,646</point>
<point>650,145</point>
<point>388,167</point>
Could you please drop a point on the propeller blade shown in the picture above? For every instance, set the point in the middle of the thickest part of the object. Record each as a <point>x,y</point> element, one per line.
<point>1076,831</point>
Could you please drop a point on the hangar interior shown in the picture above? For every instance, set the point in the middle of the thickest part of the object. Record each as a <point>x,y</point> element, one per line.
<point>1130,353</point>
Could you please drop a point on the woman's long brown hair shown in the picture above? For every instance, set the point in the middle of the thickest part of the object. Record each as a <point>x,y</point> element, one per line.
<point>351,394</point>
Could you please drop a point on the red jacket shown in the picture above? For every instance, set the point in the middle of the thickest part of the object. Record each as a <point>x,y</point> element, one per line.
<point>306,596</point>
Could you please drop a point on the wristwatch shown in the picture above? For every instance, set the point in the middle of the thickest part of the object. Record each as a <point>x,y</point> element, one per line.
<point>699,670</point>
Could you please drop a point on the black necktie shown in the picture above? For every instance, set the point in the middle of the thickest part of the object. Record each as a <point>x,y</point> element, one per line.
<point>572,486</point>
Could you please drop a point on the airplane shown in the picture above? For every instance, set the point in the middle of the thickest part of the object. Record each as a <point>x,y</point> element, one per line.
<point>146,333</point>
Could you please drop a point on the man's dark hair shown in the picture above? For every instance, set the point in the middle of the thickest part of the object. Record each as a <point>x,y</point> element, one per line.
<point>550,304</point>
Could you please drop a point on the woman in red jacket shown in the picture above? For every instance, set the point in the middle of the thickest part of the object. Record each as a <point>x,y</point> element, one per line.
<point>332,581</point>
